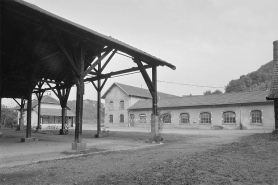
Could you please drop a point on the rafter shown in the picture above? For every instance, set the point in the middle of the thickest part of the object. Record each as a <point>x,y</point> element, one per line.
<point>97,61</point>
<point>61,47</point>
<point>109,75</point>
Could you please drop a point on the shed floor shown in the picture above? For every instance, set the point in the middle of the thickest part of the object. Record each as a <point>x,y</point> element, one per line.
<point>51,146</point>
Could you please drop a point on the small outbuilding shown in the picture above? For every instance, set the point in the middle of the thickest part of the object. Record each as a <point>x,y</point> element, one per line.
<point>50,114</point>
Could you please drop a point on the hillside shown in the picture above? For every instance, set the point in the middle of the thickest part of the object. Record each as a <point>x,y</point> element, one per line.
<point>89,108</point>
<point>254,81</point>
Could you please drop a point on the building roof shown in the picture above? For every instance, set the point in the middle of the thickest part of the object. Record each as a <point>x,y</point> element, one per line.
<point>205,100</point>
<point>47,99</point>
<point>137,91</point>
<point>55,112</point>
<point>273,94</point>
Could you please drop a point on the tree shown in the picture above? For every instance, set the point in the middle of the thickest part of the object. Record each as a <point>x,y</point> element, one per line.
<point>8,116</point>
<point>217,91</point>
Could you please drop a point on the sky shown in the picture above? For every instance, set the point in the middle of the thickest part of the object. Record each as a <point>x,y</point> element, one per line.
<point>210,42</point>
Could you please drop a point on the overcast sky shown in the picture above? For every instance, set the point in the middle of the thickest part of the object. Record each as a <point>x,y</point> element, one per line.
<point>209,41</point>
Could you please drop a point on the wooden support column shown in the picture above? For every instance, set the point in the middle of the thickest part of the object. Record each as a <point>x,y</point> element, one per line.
<point>29,109</point>
<point>21,119</point>
<point>78,145</point>
<point>63,95</point>
<point>152,86</point>
<point>39,97</point>
<point>154,80</point>
<point>99,88</point>
<point>98,109</point>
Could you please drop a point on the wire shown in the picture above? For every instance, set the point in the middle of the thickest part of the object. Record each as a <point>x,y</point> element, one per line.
<point>188,84</point>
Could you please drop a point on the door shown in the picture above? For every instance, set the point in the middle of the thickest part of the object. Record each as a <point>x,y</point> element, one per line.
<point>132,120</point>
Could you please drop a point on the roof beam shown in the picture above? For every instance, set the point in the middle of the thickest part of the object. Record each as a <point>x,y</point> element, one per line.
<point>146,77</point>
<point>109,75</point>
<point>61,47</point>
<point>97,61</point>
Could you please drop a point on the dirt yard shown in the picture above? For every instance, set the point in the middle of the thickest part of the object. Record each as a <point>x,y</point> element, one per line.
<point>213,157</point>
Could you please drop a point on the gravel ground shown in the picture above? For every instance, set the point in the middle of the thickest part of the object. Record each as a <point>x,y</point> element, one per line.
<point>182,159</point>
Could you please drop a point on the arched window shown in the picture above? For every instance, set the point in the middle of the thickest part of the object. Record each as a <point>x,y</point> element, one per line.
<point>184,118</point>
<point>110,118</point>
<point>122,105</point>
<point>229,117</point>
<point>142,118</point>
<point>122,118</point>
<point>166,118</point>
<point>205,118</point>
<point>256,116</point>
<point>111,105</point>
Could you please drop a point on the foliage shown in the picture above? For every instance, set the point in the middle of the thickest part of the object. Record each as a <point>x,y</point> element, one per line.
<point>8,116</point>
<point>254,81</point>
<point>215,92</point>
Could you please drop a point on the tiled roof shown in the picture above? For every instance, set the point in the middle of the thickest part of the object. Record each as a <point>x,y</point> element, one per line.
<point>273,94</point>
<point>47,99</point>
<point>205,100</point>
<point>138,92</point>
<point>54,112</point>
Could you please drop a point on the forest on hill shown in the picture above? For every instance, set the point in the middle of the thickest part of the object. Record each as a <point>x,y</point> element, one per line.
<point>89,108</point>
<point>255,81</point>
<point>258,80</point>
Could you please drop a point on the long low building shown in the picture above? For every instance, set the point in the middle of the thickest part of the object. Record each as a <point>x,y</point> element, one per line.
<point>50,114</point>
<point>246,110</point>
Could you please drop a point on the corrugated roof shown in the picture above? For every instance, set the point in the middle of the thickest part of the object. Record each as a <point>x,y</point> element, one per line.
<point>55,112</point>
<point>138,92</point>
<point>205,100</point>
<point>273,94</point>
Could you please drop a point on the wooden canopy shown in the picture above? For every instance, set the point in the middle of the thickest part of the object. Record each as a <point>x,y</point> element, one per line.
<point>38,45</point>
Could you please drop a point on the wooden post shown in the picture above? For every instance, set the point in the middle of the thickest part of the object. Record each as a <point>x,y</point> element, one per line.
<point>154,80</point>
<point>29,109</point>
<point>21,119</point>
<point>39,97</point>
<point>98,103</point>
<point>78,145</point>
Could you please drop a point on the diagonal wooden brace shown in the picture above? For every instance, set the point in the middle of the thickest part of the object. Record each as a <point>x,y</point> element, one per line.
<point>146,77</point>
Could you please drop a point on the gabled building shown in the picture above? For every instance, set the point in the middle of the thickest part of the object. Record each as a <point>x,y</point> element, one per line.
<point>248,110</point>
<point>50,114</point>
<point>119,97</point>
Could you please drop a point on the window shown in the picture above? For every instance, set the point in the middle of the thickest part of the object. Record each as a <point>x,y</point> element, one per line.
<point>229,117</point>
<point>166,118</point>
<point>58,119</point>
<point>111,119</point>
<point>256,116</point>
<point>111,105</point>
<point>50,119</point>
<point>122,105</point>
<point>205,118</point>
<point>142,118</point>
<point>184,118</point>
<point>122,118</point>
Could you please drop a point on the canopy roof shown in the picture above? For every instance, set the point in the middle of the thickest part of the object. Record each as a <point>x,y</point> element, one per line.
<point>39,45</point>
